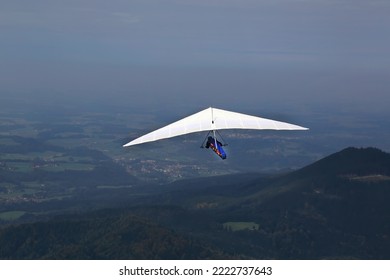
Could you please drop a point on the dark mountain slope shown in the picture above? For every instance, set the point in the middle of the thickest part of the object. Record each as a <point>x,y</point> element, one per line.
<point>349,167</point>
<point>356,161</point>
<point>337,207</point>
<point>114,234</point>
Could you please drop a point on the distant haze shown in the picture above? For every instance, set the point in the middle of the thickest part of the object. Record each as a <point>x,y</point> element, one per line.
<point>289,55</point>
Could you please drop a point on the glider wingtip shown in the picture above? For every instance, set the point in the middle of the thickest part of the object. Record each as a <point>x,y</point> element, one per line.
<point>302,128</point>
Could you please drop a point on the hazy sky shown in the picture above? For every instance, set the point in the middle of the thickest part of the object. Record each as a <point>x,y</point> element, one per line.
<point>224,53</point>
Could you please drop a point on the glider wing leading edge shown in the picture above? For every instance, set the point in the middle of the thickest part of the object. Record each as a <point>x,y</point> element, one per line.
<point>212,119</point>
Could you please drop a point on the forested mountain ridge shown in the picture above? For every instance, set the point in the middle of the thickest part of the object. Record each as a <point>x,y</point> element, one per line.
<point>100,235</point>
<point>351,161</point>
<point>335,208</point>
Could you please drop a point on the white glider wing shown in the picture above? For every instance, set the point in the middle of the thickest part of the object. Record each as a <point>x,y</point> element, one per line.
<point>213,119</point>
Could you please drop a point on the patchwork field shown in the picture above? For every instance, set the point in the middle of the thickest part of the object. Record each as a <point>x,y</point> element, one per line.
<point>236,226</point>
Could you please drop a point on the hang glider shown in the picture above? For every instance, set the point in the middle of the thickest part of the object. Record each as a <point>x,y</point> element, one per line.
<point>213,119</point>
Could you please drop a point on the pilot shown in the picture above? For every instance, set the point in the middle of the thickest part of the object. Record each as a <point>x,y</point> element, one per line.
<point>210,140</point>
